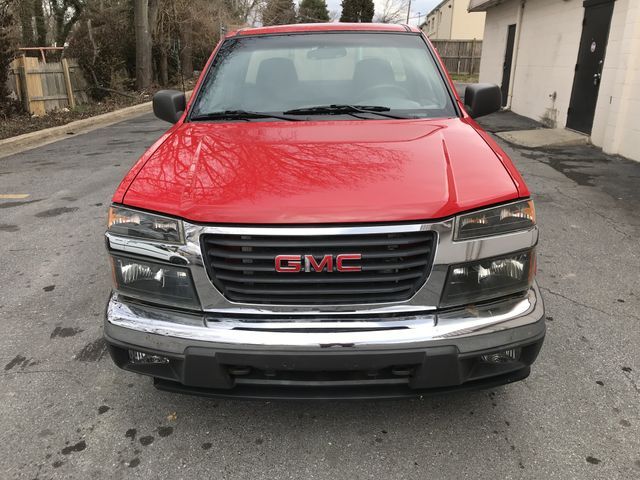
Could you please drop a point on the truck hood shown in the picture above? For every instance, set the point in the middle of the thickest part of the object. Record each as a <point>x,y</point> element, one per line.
<point>321,172</point>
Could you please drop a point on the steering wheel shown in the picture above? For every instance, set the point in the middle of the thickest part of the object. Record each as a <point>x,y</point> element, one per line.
<point>380,90</point>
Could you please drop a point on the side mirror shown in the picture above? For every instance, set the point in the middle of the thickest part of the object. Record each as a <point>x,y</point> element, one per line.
<point>169,105</point>
<point>482,99</point>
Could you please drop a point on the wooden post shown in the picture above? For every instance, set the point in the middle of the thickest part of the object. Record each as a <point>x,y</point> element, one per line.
<point>15,77</point>
<point>22,75</point>
<point>67,82</point>
<point>34,88</point>
<point>473,52</point>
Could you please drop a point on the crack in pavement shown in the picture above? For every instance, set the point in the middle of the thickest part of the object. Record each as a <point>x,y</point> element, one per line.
<point>632,382</point>
<point>70,375</point>
<point>608,221</point>
<point>584,305</point>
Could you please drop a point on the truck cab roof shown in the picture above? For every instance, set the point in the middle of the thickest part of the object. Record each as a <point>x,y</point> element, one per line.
<point>324,27</point>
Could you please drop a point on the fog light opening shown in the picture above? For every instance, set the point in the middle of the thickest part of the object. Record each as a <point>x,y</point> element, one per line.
<point>402,371</point>
<point>505,356</point>
<point>146,358</point>
<point>239,371</point>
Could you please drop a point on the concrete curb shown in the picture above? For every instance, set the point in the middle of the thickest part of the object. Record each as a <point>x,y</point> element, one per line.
<point>28,141</point>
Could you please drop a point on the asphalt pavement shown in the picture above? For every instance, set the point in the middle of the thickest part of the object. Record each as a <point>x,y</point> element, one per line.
<point>67,412</point>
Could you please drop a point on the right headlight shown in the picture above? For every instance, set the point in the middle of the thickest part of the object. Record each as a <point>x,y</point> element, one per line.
<point>490,278</point>
<point>147,280</point>
<point>495,221</point>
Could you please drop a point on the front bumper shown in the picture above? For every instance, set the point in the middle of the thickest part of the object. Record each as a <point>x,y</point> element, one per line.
<point>355,356</point>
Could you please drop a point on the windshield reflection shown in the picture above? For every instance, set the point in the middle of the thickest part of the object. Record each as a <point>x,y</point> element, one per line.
<point>273,74</point>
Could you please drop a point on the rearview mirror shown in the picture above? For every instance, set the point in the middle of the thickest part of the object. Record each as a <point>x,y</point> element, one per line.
<point>482,99</point>
<point>326,53</point>
<point>169,105</point>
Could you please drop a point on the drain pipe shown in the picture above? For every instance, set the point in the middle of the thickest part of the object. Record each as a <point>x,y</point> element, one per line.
<point>516,48</point>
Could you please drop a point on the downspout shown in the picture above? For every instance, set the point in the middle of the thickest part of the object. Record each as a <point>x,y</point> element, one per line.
<point>516,49</point>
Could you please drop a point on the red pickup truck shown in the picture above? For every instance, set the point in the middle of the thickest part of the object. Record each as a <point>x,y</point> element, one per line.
<point>324,219</point>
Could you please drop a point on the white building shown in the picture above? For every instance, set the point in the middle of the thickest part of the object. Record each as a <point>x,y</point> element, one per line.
<point>451,20</point>
<point>568,63</point>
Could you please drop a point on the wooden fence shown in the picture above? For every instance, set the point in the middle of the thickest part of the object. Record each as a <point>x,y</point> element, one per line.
<point>42,87</point>
<point>460,56</point>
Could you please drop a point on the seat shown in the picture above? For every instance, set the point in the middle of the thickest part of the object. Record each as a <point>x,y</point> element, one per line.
<point>276,83</point>
<point>372,72</point>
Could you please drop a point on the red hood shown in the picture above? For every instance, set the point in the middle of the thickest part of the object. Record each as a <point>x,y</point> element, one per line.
<point>320,172</point>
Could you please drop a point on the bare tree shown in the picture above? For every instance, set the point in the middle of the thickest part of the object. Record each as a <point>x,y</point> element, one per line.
<point>25,12</point>
<point>151,41</point>
<point>393,11</point>
<point>279,12</point>
<point>246,11</point>
<point>186,47</point>
<point>41,28</point>
<point>143,44</point>
<point>65,15</point>
<point>184,16</point>
<point>8,44</point>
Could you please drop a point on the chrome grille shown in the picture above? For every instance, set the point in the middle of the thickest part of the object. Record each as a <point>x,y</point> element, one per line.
<point>394,266</point>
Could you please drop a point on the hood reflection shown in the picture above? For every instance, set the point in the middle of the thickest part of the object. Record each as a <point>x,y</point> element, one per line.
<point>315,172</point>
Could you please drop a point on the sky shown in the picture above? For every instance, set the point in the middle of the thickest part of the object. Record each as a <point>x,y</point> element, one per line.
<point>422,6</point>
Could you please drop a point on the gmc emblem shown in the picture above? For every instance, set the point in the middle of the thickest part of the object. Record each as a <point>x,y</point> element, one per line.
<point>295,263</point>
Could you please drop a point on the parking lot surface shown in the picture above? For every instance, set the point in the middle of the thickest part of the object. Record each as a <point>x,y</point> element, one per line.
<point>67,412</point>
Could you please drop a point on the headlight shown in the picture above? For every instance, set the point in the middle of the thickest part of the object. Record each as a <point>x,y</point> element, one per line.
<point>147,226</point>
<point>486,279</point>
<point>496,220</point>
<point>151,281</point>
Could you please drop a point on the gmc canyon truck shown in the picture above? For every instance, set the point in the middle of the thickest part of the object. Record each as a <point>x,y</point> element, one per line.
<point>324,219</point>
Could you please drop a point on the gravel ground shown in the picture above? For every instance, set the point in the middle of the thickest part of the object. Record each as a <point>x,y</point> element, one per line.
<point>67,412</point>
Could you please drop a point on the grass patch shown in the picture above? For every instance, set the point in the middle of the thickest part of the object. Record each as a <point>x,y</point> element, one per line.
<point>464,77</point>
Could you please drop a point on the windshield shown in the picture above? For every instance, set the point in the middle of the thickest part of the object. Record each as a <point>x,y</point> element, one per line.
<point>394,73</point>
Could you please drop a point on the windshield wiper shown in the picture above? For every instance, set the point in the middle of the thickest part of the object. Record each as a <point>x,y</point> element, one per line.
<point>240,115</point>
<point>343,109</point>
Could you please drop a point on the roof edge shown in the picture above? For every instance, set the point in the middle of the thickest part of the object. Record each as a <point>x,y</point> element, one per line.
<point>325,27</point>
<point>482,5</point>
<point>437,7</point>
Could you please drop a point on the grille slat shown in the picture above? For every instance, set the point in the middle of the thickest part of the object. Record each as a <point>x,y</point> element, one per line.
<point>269,255</point>
<point>394,267</point>
<point>268,267</point>
<point>326,299</point>
<point>317,278</point>
<point>315,242</point>
<point>316,290</point>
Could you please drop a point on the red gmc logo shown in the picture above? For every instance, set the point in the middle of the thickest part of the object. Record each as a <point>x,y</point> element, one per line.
<point>296,263</point>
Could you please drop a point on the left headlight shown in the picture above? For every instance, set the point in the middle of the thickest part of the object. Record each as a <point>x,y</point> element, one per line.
<point>146,226</point>
<point>496,220</point>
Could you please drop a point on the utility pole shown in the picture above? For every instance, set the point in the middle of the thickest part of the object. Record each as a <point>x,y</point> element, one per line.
<point>408,12</point>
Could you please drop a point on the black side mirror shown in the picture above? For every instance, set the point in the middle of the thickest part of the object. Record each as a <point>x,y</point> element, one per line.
<point>169,105</point>
<point>482,99</point>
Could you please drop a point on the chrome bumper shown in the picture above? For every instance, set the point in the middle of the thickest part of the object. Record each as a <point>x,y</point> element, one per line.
<point>471,329</point>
